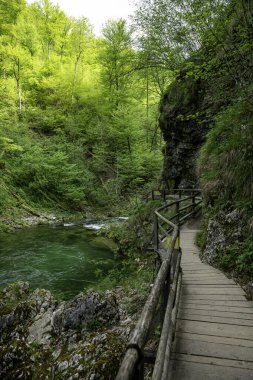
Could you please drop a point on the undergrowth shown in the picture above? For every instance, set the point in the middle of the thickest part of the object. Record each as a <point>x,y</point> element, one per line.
<point>238,258</point>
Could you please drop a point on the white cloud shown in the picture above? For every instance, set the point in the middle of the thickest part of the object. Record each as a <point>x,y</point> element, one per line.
<point>97,11</point>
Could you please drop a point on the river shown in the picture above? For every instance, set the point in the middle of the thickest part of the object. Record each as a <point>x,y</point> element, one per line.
<point>63,259</point>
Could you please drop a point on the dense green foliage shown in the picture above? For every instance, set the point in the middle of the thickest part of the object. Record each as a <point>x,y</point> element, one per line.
<point>78,123</point>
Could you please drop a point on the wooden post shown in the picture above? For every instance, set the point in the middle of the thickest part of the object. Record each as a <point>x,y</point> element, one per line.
<point>139,371</point>
<point>177,213</point>
<point>156,232</point>
<point>178,219</point>
<point>165,297</point>
<point>193,201</point>
<point>164,195</point>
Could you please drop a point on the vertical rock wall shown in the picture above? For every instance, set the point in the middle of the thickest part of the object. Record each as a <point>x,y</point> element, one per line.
<point>182,121</point>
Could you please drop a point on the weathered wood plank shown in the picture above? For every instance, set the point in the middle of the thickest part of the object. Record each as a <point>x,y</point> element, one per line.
<point>216,361</point>
<point>206,278</point>
<point>182,370</point>
<point>219,308</point>
<point>211,290</point>
<point>216,313</point>
<point>209,328</point>
<point>207,282</point>
<point>220,275</point>
<point>216,319</point>
<point>215,297</point>
<point>241,303</point>
<point>194,270</point>
<point>218,350</point>
<point>215,339</point>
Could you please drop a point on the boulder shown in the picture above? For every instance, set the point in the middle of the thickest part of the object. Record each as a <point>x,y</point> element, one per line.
<point>84,311</point>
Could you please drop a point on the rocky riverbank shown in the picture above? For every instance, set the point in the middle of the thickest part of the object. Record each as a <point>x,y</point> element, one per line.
<point>44,338</point>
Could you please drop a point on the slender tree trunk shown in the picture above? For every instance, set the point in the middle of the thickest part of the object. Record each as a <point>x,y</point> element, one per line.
<point>49,50</point>
<point>74,77</point>
<point>19,96</point>
<point>147,105</point>
<point>16,71</point>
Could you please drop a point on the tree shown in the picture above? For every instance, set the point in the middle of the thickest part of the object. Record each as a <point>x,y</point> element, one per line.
<point>9,13</point>
<point>169,30</point>
<point>51,24</point>
<point>116,59</point>
<point>80,40</point>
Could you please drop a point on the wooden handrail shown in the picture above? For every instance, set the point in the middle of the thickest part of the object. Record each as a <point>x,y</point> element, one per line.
<point>166,286</point>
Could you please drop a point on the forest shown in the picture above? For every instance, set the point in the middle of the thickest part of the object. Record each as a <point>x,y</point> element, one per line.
<point>78,124</point>
<point>88,127</point>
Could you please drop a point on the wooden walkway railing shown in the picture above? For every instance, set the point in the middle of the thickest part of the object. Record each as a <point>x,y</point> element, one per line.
<point>162,303</point>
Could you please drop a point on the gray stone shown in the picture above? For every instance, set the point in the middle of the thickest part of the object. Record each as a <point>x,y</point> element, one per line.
<point>232,217</point>
<point>83,309</point>
<point>63,366</point>
<point>40,330</point>
<point>215,241</point>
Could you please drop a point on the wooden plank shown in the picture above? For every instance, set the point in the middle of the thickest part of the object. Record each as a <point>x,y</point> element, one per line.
<point>208,282</point>
<point>216,361</point>
<point>214,280</point>
<point>217,297</point>
<point>198,263</point>
<point>217,350</point>
<point>216,319</point>
<point>200,270</point>
<point>215,339</point>
<point>217,313</point>
<point>224,285</point>
<point>211,290</point>
<point>197,272</point>
<point>219,308</point>
<point>213,274</point>
<point>182,370</point>
<point>203,276</point>
<point>240,303</point>
<point>191,264</point>
<point>209,328</point>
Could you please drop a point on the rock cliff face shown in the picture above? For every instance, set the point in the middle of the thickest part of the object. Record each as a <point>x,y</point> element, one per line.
<point>182,121</point>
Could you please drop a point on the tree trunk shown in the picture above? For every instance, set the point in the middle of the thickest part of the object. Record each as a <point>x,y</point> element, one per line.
<point>16,71</point>
<point>74,78</point>
<point>19,96</point>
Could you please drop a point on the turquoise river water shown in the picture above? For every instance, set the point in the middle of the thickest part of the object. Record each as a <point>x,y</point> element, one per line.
<point>62,259</point>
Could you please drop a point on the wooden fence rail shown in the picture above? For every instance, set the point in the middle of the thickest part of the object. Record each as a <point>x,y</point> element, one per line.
<point>162,303</point>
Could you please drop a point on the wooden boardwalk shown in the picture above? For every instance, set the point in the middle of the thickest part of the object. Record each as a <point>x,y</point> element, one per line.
<point>214,335</point>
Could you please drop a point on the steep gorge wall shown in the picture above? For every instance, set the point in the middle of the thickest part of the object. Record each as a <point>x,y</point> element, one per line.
<point>207,123</point>
<point>182,121</point>
<point>210,81</point>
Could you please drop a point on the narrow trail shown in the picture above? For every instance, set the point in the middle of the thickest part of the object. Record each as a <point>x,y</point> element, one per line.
<point>214,334</point>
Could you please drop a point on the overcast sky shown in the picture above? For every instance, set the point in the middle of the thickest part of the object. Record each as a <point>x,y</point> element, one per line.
<point>97,11</point>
